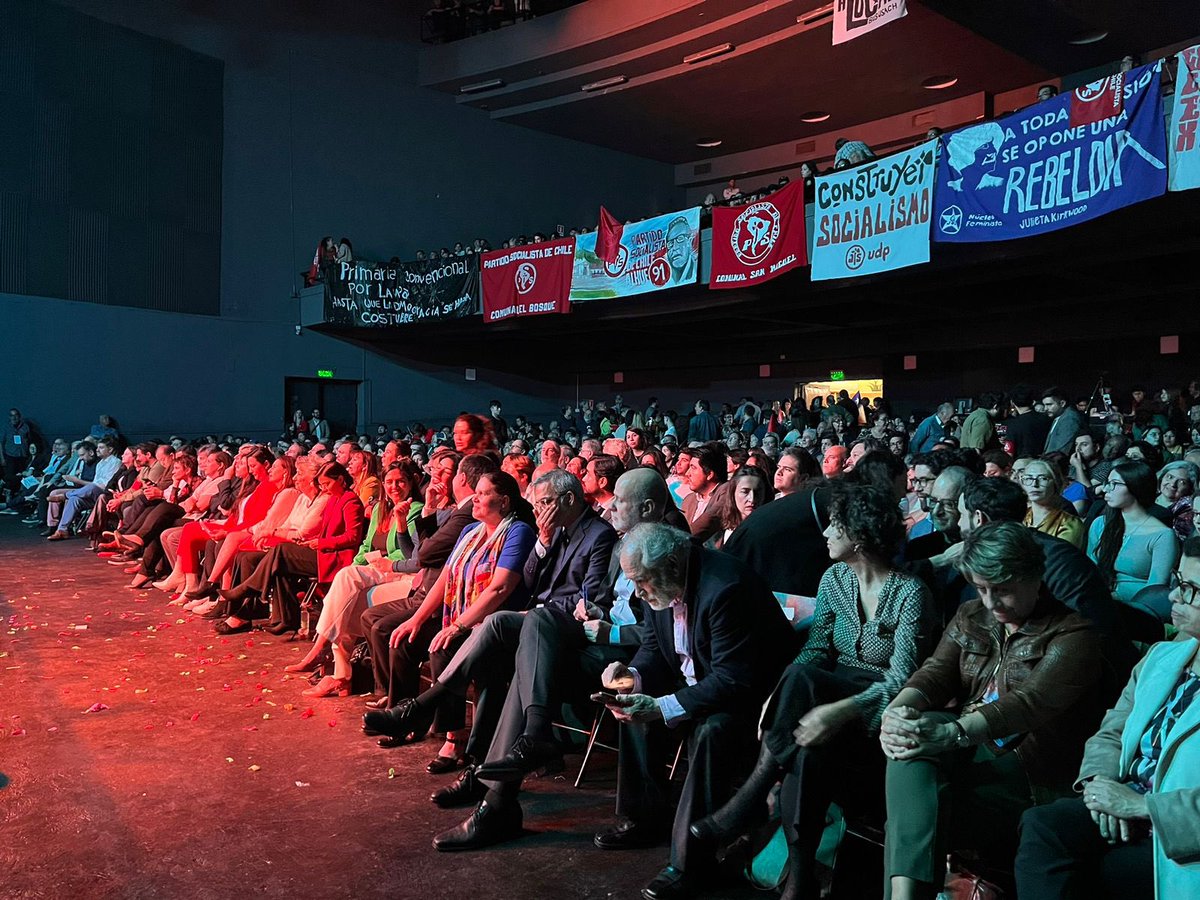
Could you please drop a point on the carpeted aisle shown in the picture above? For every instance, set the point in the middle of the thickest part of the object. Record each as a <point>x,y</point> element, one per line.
<point>201,772</point>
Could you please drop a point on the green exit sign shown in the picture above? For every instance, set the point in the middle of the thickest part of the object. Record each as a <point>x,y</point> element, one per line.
<point>324,373</point>
<point>837,375</point>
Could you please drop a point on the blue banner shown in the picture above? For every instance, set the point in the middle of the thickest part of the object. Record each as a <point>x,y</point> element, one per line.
<point>875,216</point>
<point>654,254</point>
<point>1031,173</point>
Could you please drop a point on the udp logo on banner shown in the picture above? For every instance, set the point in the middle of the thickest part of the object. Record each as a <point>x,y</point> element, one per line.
<point>875,216</point>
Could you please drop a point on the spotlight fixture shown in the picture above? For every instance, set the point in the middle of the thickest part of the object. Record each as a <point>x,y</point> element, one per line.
<point>711,52</point>
<point>604,83</point>
<point>480,86</point>
<point>1090,36</point>
<point>708,145</point>
<point>814,116</point>
<point>939,82</point>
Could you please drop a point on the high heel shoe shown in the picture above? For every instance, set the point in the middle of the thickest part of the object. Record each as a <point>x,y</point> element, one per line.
<point>166,585</point>
<point>440,765</point>
<point>226,628</point>
<point>235,594</point>
<point>205,590</point>
<point>328,687</point>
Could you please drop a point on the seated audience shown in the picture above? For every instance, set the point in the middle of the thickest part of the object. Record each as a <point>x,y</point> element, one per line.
<point>995,719</point>
<point>1133,831</point>
<point>1176,487</point>
<point>1048,510</point>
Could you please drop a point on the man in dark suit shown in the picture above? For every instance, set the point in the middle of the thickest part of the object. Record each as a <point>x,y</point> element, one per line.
<point>713,644</point>
<point>1067,422</point>
<point>569,562</point>
<point>437,533</point>
<point>557,658</point>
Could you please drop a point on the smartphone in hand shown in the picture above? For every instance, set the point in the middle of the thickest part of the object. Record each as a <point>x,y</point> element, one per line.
<point>606,697</point>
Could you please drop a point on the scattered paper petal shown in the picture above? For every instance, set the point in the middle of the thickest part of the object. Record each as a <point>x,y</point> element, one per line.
<point>97,707</point>
<point>250,728</point>
<point>255,768</point>
<point>303,784</point>
<point>229,759</point>
<point>308,713</point>
<point>333,723</point>
<point>195,716</point>
<point>391,773</point>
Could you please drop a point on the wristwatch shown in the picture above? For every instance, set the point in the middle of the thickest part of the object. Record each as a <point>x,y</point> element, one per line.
<point>463,629</point>
<point>962,740</point>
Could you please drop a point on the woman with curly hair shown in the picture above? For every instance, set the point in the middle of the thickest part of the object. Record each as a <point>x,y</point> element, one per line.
<point>474,434</point>
<point>872,627</point>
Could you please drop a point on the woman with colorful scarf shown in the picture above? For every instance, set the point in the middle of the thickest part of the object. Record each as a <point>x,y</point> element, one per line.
<point>485,573</point>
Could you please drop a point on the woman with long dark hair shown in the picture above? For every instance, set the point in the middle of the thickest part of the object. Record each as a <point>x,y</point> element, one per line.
<point>1131,547</point>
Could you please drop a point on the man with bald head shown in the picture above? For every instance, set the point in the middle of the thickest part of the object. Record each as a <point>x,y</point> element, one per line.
<point>943,514</point>
<point>557,657</point>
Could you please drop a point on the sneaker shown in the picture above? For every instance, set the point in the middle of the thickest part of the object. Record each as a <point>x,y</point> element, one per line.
<point>9,511</point>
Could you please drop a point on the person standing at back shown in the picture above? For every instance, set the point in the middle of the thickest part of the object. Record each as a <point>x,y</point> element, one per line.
<point>1027,429</point>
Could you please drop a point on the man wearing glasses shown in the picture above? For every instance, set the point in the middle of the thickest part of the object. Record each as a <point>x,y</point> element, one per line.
<point>1133,829</point>
<point>681,256</point>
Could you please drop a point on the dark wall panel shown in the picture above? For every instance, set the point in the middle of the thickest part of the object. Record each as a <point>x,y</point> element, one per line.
<point>109,136</point>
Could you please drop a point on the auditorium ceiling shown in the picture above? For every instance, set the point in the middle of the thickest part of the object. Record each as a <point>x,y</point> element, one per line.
<point>781,65</point>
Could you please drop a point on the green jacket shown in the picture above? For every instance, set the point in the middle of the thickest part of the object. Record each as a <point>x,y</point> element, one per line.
<point>394,552</point>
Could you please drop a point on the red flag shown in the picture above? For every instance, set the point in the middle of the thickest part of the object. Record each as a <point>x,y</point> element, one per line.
<point>1098,101</point>
<point>759,241</point>
<point>608,237</point>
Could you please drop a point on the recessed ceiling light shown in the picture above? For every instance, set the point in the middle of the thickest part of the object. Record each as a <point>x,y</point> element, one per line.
<point>1090,36</point>
<point>710,53</point>
<point>939,82</point>
<point>708,145</point>
<point>605,83</point>
<point>816,115</point>
<point>479,86</point>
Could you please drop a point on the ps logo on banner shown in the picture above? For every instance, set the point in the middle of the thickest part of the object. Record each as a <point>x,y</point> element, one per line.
<point>616,267</point>
<point>754,233</point>
<point>525,278</point>
<point>951,221</point>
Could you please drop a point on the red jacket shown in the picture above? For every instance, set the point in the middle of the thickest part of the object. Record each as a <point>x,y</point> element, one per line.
<point>343,523</point>
<point>255,510</point>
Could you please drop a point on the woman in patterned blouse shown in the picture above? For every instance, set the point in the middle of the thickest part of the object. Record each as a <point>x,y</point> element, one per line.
<point>870,631</point>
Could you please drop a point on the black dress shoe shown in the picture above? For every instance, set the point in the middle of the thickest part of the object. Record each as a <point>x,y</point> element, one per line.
<point>669,884</point>
<point>440,765</point>
<point>631,835</point>
<point>406,718</point>
<point>467,790</point>
<point>487,825</point>
<point>526,756</point>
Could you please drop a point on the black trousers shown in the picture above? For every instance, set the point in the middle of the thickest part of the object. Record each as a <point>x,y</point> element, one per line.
<point>1063,857</point>
<point>149,527</point>
<point>849,768</point>
<point>554,663</point>
<point>721,752</point>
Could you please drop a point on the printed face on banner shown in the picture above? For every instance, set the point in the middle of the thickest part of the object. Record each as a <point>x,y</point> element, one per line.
<point>1059,162</point>
<point>655,253</point>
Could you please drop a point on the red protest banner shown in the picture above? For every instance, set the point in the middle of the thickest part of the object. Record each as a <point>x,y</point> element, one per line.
<point>527,281</point>
<point>759,241</point>
<point>1097,101</point>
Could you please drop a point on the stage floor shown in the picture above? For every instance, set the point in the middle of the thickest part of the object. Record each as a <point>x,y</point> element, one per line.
<point>207,777</point>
